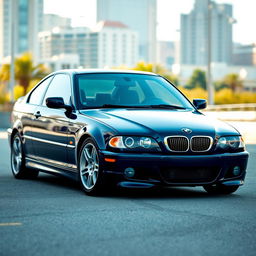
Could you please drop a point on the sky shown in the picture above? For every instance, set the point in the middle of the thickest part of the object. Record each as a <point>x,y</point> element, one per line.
<point>83,12</point>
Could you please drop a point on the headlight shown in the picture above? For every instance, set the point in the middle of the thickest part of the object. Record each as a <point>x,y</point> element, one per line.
<point>232,143</point>
<point>133,143</point>
<point>145,142</point>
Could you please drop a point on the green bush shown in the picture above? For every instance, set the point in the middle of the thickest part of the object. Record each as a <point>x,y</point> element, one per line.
<point>223,96</point>
<point>18,92</point>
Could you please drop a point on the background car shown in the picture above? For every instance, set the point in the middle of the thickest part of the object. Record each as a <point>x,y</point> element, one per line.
<point>134,129</point>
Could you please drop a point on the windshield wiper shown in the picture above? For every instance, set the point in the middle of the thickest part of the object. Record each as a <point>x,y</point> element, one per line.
<point>166,106</point>
<point>113,106</point>
<point>163,106</point>
<point>118,106</point>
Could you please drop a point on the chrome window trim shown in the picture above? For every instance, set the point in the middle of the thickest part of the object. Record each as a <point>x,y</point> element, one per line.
<point>49,142</point>
<point>201,136</point>
<point>180,136</point>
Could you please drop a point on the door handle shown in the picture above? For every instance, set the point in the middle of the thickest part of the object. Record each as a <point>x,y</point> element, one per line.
<point>37,114</point>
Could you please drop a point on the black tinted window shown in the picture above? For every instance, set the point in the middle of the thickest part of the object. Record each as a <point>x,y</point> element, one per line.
<point>59,87</point>
<point>37,94</point>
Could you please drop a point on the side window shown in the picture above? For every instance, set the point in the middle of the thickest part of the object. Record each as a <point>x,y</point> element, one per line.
<point>59,87</point>
<point>38,93</point>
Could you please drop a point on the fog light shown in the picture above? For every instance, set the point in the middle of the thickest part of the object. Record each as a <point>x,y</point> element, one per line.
<point>129,172</point>
<point>236,170</point>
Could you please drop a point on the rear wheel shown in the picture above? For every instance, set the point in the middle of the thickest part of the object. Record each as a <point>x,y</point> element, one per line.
<point>90,172</point>
<point>220,189</point>
<point>19,169</point>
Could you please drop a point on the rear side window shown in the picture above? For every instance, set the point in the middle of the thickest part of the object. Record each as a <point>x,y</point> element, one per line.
<point>59,87</point>
<point>37,94</point>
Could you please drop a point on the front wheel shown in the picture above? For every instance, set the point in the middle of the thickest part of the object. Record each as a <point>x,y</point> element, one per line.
<point>90,171</point>
<point>19,169</point>
<point>220,189</point>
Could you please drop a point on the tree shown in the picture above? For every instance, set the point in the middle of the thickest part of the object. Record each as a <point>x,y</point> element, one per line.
<point>158,69</point>
<point>5,73</point>
<point>219,85</point>
<point>198,79</point>
<point>25,71</point>
<point>233,82</point>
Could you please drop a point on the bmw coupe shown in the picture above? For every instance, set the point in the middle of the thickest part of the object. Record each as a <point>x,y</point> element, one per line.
<point>132,129</point>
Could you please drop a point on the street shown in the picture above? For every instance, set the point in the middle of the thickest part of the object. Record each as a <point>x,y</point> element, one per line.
<point>52,216</point>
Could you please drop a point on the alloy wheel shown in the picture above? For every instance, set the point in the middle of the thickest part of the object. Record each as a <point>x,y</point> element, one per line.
<point>89,166</point>
<point>16,155</point>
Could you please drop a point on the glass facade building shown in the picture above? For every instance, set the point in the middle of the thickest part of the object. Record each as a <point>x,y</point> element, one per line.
<point>194,33</point>
<point>28,17</point>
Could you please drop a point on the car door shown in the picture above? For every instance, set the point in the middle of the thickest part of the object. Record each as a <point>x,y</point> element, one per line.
<point>28,114</point>
<point>51,125</point>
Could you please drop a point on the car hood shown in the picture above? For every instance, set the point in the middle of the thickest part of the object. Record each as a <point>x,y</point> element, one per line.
<point>162,122</point>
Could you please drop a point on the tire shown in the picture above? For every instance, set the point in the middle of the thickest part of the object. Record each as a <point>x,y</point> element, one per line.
<point>220,189</point>
<point>18,167</point>
<point>90,168</point>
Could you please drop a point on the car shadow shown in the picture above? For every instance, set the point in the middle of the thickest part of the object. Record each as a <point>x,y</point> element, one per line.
<point>130,193</point>
<point>57,181</point>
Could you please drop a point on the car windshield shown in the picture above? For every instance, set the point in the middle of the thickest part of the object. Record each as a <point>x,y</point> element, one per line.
<point>117,90</point>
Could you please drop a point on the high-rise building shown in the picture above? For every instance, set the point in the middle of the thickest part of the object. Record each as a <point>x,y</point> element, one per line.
<point>139,15</point>
<point>28,20</point>
<point>54,20</point>
<point>109,44</point>
<point>194,33</point>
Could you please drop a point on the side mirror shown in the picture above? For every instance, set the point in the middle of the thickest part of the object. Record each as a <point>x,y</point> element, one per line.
<point>200,103</point>
<point>57,102</point>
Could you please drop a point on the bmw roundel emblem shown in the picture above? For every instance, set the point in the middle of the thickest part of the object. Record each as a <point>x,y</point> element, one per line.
<point>186,130</point>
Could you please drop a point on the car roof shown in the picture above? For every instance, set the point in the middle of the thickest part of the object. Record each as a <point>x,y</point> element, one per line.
<point>93,71</point>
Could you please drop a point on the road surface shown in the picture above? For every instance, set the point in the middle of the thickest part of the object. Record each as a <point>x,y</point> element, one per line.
<point>52,216</point>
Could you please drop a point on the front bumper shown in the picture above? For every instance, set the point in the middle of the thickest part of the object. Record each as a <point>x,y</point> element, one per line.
<point>176,170</point>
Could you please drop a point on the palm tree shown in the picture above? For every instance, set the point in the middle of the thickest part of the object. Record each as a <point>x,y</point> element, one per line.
<point>25,70</point>
<point>198,79</point>
<point>233,82</point>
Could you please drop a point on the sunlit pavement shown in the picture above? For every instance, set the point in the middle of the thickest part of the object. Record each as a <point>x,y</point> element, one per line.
<point>52,216</point>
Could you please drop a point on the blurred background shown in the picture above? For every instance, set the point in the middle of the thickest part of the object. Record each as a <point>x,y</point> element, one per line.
<point>206,48</point>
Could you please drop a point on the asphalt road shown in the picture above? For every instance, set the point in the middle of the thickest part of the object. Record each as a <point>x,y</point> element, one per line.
<point>52,216</point>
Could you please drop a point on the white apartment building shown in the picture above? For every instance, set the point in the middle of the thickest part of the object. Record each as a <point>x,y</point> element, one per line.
<point>139,15</point>
<point>113,44</point>
<point>66,41</point>
<point>109,44</point>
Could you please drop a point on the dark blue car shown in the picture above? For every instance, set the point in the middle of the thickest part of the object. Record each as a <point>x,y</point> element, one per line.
<point>133,129</point>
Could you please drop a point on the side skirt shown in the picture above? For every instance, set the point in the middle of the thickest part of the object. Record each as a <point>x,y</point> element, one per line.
<point>55,170</point>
